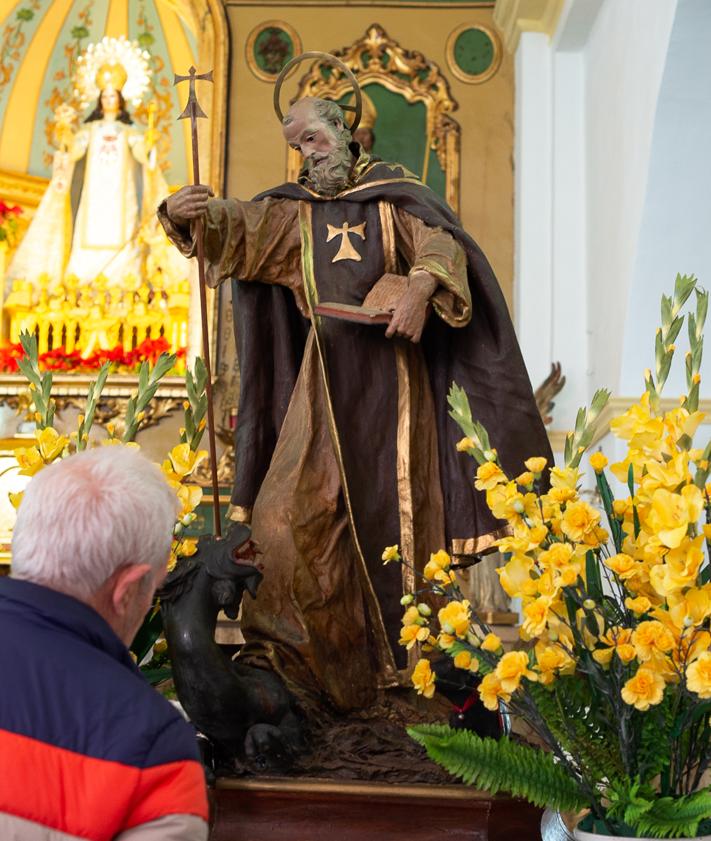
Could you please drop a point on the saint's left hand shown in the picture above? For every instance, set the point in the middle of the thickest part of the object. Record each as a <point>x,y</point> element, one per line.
<point>410,315</point>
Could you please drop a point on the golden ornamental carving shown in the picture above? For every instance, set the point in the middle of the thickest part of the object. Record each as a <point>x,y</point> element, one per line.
<point>378,58</point>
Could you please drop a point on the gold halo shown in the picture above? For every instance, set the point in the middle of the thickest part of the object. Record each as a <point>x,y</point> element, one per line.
<point>329,59</point>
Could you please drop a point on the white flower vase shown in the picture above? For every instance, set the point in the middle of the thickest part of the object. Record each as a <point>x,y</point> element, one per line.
<point>581,835</point>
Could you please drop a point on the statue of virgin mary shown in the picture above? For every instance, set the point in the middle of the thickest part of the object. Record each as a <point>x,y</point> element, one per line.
<point>120,185</point>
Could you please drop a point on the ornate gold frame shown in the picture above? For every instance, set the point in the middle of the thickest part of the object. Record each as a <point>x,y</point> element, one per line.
<point>431,88</point>
<point>252,39</point>
<point>27,190</point>
<point>474,78</point>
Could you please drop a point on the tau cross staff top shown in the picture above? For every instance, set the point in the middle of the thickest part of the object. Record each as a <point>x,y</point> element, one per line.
<point>193,111</point>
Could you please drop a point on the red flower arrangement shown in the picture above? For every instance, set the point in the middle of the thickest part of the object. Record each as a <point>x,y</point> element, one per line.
<point>8,221</point>
<point>59,359</point>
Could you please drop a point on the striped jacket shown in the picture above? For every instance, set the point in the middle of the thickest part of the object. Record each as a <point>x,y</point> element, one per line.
<point>87,748</point>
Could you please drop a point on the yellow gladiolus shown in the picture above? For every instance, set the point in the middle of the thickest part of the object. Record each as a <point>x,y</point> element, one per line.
<point>183,460</point>
<point>29,459</point>
<point>465,445</point>
<point>16,499</point>
<point>423,678</point>
<point>456,616</point>
<point>565,477</point>
<point>515,574</point>
<point>50,443</point>
<point>698,675</point>
<point>691,608</point>
<point>512,668</point>
<point>644,690</point>
<point>491,692</point>
<point>189,497</point>
<point>671,514</point>
<point>488,476</point>
<point>679,569</point>
<point>391,553</point>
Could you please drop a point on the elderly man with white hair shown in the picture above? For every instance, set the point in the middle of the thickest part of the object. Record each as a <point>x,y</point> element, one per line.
<point>87,748</point>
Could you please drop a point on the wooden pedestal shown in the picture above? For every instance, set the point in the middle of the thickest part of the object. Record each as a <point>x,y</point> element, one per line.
<point>285,810</point>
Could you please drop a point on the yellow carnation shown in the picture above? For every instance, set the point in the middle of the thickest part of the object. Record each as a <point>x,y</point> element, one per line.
<point>622,565</point>
<point>698,675</point>
<point>512,668</point>
<point>644,690</point>
<point>579,521</point>
<point>455,615</point>
<point>598,462</point>
<point>536,465</point>
<point>525,479</point>
<point>552,660</point>
<point>639,605</point>
<point>423,678</point>
<point>410,634</point>
<point>491,692</point>
<point>652,638</point>
<point>464,660</point>
<point>488,476</point>
<point>535,616</point>
<point>491,643</point>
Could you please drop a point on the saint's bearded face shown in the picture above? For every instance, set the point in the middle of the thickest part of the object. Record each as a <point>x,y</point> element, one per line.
<point>328,173</point>
<point>324,146</point>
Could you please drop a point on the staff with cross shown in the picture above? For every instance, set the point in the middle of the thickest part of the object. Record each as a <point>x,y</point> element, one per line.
<point>193,112</point>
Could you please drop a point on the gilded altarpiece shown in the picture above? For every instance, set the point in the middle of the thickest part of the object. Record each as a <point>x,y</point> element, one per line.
<point>43,45</point>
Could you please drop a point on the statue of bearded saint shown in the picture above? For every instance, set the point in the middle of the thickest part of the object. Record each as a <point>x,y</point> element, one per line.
<point>343,441</point>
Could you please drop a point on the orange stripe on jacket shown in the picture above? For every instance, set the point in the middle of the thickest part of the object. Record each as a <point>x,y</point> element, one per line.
<point>92,798</point>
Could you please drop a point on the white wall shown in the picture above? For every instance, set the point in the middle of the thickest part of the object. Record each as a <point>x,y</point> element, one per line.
<point>675,233</point>
<point>585,111</point>
<point>625,57</point>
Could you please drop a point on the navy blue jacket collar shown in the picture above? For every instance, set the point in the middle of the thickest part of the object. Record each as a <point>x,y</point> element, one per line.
<point>66,612</point>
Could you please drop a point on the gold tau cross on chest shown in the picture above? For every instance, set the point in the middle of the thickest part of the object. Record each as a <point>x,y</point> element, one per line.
<point>346,251</point>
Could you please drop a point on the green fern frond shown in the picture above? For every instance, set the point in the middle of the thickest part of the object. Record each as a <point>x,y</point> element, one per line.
<point>501,765</point>
<point>675,817</point>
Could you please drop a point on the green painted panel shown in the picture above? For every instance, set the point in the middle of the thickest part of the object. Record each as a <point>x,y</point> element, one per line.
<point>400,134</point>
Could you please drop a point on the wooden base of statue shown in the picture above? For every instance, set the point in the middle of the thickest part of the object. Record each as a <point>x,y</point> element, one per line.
<point>289,810</point>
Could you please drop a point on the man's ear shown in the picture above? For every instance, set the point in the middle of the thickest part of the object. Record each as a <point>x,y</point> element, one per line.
<point>126,580</point>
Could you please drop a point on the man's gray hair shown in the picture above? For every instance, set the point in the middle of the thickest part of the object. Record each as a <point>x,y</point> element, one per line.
<point>328,112</point>
<point>83,517</point>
